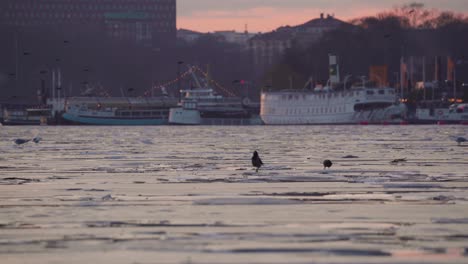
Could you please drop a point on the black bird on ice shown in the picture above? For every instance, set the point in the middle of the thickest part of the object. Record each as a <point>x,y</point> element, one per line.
<point>256,161</point>
<point>327,164</point>
<point>460,140</point>
<point>20,141</point>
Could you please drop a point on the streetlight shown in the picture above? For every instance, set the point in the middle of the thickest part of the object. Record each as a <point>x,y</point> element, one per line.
<point>178,81</point>
<point>243,83</point>
<point>346,80</point>
<point>131,92</point>
<point>86,71</point>
<point>363,79</point>
<point>381,84</point>
<point>42,94</point>
<point>17,74</point>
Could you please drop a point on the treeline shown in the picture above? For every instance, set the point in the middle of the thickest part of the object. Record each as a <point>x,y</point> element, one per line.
<point>407,31</point>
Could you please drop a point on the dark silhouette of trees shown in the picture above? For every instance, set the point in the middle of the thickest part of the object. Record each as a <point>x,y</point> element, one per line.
<point>410,30</point>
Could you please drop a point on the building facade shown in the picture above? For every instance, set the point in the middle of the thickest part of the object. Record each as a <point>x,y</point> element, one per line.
<point>147,22</point>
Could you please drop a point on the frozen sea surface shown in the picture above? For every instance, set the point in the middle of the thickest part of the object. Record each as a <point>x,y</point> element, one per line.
<point>190,195</point>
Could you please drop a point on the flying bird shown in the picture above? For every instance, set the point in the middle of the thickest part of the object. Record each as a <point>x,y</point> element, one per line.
<point>327,164</point>
<point>256,161</point>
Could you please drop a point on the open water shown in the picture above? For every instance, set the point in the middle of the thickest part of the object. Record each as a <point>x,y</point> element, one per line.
<point>190,195</point>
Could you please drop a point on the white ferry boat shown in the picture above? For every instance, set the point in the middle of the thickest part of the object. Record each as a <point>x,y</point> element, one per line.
<point>454,114</point>
<point>122,111</point>
<point>355,106</point>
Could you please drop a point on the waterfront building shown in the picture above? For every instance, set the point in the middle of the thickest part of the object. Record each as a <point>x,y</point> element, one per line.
<point>147,22</point>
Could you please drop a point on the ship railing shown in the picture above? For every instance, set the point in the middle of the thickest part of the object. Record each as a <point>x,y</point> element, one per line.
<point>216,100</point>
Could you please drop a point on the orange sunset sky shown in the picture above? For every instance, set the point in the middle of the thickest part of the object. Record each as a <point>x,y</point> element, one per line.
<point>267,15</point>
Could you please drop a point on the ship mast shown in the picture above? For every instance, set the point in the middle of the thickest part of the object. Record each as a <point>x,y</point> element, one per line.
<point>194,76</point>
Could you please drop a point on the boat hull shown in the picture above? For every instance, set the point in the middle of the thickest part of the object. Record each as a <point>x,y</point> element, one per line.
<point>22,123</point>
<point>441,115</point>
<point>365,106</point>
<point>250,121</point>
<point>181,116</point>
<point>108,121</point>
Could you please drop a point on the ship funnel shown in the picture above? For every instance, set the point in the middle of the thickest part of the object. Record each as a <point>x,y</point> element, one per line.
<point>334,70</point>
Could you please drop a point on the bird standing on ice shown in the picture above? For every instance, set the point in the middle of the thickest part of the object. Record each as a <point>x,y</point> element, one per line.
<point>256,161</point>
<point>20,141</point>
<point>327,164</point>
<point>460,140</point>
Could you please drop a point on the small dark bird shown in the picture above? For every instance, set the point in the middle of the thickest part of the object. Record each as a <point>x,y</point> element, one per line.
<point>460,140</point>
<point>256,161</point>
<point>396,161</point>
<point>411,11</point>
<point>20,141</point>
<point>327,164</point>
<point>37,139</point>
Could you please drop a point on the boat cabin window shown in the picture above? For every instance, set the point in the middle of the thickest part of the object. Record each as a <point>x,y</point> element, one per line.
<point>381,92</point>
<point>370,92</point>
<point>38,113</point>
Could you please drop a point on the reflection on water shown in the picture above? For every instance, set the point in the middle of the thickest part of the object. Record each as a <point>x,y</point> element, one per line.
<point>189,194</point>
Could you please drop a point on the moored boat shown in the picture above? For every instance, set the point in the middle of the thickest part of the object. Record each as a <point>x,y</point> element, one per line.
<point>120,111</point>
<point>27,117</point>
<point>332,104</point>
<point>453,114</point>
<point>355,106</point>
<point>204,107</point>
